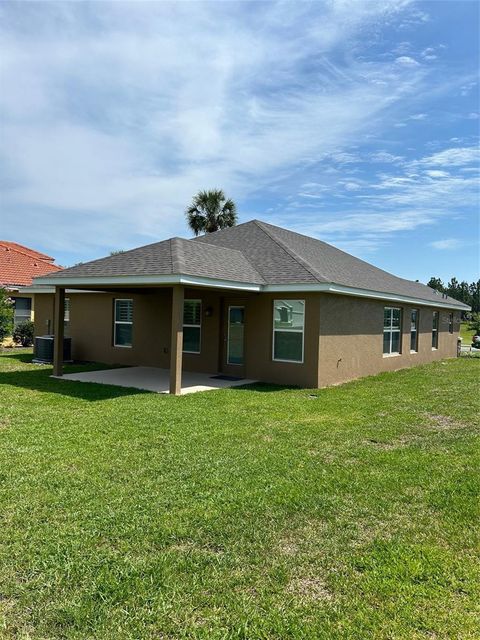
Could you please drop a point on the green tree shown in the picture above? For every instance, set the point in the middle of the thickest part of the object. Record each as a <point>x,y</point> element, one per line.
<point>452,288</point>
<point>6,315</point>
<point>474,290</point>
<point>211,211</point>
<point>436,283</point>
<point>474,323</point>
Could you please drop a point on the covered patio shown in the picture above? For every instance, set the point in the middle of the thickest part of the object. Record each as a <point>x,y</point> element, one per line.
<point>156,379</point>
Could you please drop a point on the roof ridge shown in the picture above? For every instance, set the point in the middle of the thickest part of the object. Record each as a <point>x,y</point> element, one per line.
<point>178,262</point>
<point>221,247</point>
<point>215,246</point>
<point>21,248</point>
<point>29,254</point>
<point>313,272</point>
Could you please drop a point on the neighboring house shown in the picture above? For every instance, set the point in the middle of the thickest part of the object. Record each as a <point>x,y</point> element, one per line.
<point>18,266</point>
<point>253,301</point>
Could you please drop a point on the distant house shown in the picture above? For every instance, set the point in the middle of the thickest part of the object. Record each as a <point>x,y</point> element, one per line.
<point>253,301</point>
<point>18,266</point>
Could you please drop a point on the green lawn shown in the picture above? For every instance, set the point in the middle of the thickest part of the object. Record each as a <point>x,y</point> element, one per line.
<point>466,334</point>
<point>268,513</point>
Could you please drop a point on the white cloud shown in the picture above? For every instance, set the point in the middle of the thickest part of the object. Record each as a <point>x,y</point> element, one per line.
<point>430,53</point>
<point>384,156</point>
<point>407,61</point>
<point>372,223</point>
<point>109,116</point>
<point>447,244</point>
<point>435,173</point>
<point>455,156</point>
<point>467,88</point>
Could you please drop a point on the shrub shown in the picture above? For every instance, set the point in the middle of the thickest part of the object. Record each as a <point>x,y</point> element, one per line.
<point>6,315</point>
<point>23,333</point>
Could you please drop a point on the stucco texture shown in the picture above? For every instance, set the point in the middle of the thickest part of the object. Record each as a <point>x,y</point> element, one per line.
<point>343,336</point>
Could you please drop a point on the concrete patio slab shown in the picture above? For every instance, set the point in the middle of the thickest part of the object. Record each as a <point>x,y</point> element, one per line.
<point>154,379</point>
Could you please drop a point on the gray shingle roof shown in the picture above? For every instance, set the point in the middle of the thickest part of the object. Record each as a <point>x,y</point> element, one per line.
<point>170,257</point>
<point>286,257</point>
<point>255,253</point>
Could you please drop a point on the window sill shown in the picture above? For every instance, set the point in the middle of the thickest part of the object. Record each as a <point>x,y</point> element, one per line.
<point>413,351</point>
<point>288,361</point>
<point>434,348</point>
<point>391,355</point>
<point>122,346</point>
<point>194,353</point>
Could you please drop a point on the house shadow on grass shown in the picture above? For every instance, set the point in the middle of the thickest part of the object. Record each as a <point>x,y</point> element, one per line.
<point>17,356</point>
<point>41,380</point>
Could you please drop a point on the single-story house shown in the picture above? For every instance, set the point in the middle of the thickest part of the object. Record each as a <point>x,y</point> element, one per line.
<point>18,266</point>
<point>254,301</point>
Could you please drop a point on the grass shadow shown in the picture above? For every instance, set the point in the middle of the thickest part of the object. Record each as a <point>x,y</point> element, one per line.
<point>40,379</point>
<point>18,357</point>
<point>265,387</point>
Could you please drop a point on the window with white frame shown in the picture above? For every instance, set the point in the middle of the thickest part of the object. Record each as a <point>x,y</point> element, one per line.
<point>288,330</point>
<point>22,310</point>
<point>123,322</point>
<point>414,330</point>
<point>450,323</point>
<point>392,334</point>
<point>435,330</point>
<point>192,325</point>
<point>66,316</point>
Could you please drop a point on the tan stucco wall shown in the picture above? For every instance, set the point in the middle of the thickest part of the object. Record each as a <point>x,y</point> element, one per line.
<point>43,304</point>
<point>351,338</point>
<point>91,327</point>
<point>91,330</point>
<point>259,342</point>
<point>343,334</point>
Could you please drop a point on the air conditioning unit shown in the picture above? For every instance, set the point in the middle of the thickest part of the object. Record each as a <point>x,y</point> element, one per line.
<point>43,349</point>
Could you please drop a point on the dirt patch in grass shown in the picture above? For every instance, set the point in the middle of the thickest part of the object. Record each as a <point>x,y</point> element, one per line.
<point>441,422</point>
<point>304,539</point>
<point>309,589</point>
<point>397,443</point>
<point>288,547</point>
<point>4,423</point>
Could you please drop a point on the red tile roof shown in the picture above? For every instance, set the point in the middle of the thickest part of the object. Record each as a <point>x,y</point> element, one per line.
<point>19,264</point>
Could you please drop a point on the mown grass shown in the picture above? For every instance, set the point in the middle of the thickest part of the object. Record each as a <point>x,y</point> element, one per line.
<point>260,513</point>
<point>466,334</point>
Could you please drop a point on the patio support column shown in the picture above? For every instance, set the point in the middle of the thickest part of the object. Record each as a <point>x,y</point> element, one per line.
<point>58,331</point>
<point>176,345</point>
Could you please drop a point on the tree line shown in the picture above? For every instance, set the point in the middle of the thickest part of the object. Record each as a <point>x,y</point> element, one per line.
<point>462,291</point>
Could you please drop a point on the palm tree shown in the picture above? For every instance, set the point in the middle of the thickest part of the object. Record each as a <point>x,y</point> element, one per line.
<point>211,211</point>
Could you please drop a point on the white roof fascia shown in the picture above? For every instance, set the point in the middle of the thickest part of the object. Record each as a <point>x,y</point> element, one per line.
<point>147,280</point>
<point>360,293</point>
<point>193,281</point>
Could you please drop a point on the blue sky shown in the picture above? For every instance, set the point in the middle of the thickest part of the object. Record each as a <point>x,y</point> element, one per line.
<point>356,122</point>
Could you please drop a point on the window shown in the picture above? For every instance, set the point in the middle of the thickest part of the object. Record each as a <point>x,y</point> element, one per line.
<point>435,330</point>
<point>391,330</point>
<point>123,323</point>
<point>414,330</point>
<point>288,326</point>
<point>450,323</point>
<point>192,325</point>
<point>22,310</point>
<point>66,316</point>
